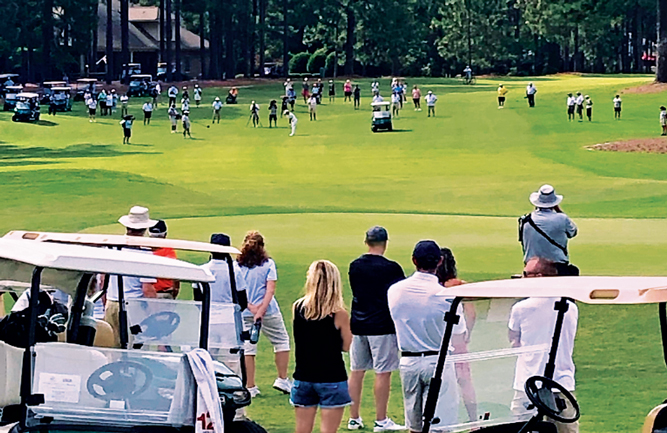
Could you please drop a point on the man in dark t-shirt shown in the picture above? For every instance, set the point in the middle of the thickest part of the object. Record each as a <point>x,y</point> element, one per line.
<point>374,345</point>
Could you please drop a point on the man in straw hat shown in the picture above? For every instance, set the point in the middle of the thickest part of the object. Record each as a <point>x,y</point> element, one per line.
<point>544,233</point>
<point>136,222</point>
<point>217,105</point>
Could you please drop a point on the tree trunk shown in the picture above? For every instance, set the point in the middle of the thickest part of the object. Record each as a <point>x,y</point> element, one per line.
<point>168,38</point>
<point>350,41</point>
<point>230,63</point>
<point>47,39</point>
<point>177,42</point>
<point>285,41</point>
<point>661,62</point>
<point>214,40</point>
<point>92,55</point>
<point>262,36</point>
<point>124,33</point>
<point>202,45</point>
<point>576,67</point>
<point>162,13</point>
<point>109,42</point>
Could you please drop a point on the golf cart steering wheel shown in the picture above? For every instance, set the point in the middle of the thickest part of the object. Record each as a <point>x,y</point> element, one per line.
<point>160,325</point>
<point>552,399</point>
<point>120,380</point>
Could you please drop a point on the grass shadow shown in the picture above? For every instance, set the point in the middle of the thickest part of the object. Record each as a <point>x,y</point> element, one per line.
<point>88,150</point>
<point>45,123</point>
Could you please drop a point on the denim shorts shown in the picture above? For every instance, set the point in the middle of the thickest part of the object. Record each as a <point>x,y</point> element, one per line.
<point>327,395</point>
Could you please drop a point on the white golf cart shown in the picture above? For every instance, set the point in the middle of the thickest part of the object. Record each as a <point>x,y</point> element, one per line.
<point>152,324</point>
<point>492,362</point>
<point>381,116</point>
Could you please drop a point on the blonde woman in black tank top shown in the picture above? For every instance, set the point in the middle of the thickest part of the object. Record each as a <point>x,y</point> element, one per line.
<point>321,334</point>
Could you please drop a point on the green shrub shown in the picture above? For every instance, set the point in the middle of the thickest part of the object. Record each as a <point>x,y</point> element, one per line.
<point>329,64</point>
<point>299,62</point>
<point>317,60</point>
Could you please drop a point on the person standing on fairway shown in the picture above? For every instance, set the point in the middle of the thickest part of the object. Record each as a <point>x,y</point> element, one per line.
<point>291,118</point>
<point>172,93</point>
<point>502,91</point>
<point>312,106</point>
<point>571,103</point>
<point>417,308</point>
<point>580,106</point>
<point>148,112</point>
<point>254,114</point>
<point>374,344</point>
<point>545,232</point>
<point>321,333</point>
<point>617,107</point>
<point>221,288</point>
<point>357,97</point>
<point>110,108</point>
<point>217,105</point>
<point>126,123</point>
<point>186,124</point>
<point>332,91</point>
<point>347,90</point>
<point>395,104</point>
<point>155,93</point>
<point>663,119</point>
<point>273,112</point>
<point>173,118</point>
<point>124,100</point>
<point>531,324</point>
<point>589,108</point>
<point>260,275</point>
<point>305,90</point>
<point>198,93</point>
<point>416,98</point>
<point>92,109</point>
<point>530,95</point>
<point>102,102</point>
<point>431,99</point>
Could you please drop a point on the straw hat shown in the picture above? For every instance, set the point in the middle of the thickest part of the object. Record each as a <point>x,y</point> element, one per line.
<point>138,218</point>
<point>546,197</point>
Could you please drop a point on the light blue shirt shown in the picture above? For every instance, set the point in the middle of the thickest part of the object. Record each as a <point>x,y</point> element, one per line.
<point>132,286</point>
<point>558,226</point>
<point>256,279</point>
<point>221,289</point>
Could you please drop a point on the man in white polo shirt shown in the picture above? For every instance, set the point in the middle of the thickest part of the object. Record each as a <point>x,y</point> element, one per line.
<point>532,322</point>
<point>418,315</point>
<point>136,223</point>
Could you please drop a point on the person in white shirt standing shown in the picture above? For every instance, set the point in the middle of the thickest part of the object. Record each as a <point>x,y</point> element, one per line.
<point>663,119</point>
<point>580,106</point>
<point>217,105</point>
<point>431,99</point>
<point>148,112</point>
<point>530,94</point>
<point>172,93</point>
<point>571,102</point>
<point>532,323</point>
<point>292,120</point>
<point>418,312</point>
<point>312,106</point>
<point>617,107</point>
<point>198,93</point>
<point>395,104</point>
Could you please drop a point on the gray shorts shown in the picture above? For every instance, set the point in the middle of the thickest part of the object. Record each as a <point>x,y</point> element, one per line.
<point>374,352</point>
<point>273,327</point>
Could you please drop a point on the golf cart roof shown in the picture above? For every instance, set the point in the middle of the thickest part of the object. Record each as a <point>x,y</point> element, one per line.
<point>77,258</point>
<point>17,87</point>
<point>121,241</point>
<point>54,83</point>
<point>61,89</point>
<point>27,95</point>
<point>590,290</point>
<point>140,76</point>
<point>380,103</point>
<point>5,76</point>
<point>87,80</point>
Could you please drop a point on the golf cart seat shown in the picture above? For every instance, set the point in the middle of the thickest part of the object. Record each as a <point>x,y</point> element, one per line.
<point>104,336</point>
<point>540,427</point>
<point>656,420</point>
<point>11,363</point>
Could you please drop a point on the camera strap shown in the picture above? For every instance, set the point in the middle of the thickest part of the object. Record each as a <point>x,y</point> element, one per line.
<point>528,218</point>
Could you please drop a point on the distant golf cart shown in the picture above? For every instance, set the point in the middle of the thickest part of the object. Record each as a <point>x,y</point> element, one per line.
<point>381,116</point>
<point>84,85</point>
<point>157,323</point>
<point>161,71</point>
<point>141,85</point>
<point>62,98</point>
<point>10,98</point>
<point>47,90</point>
<point>27,107</point>
<point>129,70</point>
<point>7,80</point>
<point>492,361</point>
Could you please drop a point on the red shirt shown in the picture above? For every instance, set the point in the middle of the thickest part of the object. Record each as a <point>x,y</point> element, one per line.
<point>164,285</point>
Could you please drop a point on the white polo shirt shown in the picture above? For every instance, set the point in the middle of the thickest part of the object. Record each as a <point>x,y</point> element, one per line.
<point>534,319</point>
<point>418,313</point>
<point>430,100</point>
<point>221,289</point>
<point>132,286</point>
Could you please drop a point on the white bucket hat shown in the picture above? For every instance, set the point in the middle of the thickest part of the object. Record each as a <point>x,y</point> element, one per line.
<point>546,197</point>
<point>137,219</point>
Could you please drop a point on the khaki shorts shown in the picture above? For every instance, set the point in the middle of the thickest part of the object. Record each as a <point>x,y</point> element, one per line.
<point>374,352</point>
<point>518,407</point>
<point>111,313</point>
<point>273,327</point>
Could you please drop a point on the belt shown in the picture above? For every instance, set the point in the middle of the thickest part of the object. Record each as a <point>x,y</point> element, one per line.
<point>421,354</point>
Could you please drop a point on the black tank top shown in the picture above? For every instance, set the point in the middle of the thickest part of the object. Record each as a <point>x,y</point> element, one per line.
<point>318,350</point>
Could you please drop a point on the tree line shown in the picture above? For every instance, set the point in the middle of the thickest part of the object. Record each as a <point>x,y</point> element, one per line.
<point>48,38</point>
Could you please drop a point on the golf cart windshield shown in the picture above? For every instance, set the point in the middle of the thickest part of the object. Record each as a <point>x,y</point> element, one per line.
<point>22,105</point>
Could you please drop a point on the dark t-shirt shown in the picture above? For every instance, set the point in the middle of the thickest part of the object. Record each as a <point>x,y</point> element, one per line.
<point>370,277</point>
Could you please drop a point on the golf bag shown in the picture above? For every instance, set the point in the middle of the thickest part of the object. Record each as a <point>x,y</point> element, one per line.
<point>51,319</point>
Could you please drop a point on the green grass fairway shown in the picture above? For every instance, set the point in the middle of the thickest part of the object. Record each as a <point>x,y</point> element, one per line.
<point>461,178</point>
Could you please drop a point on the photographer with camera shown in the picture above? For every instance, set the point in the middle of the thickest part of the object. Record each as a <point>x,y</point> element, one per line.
<point>254,114</point>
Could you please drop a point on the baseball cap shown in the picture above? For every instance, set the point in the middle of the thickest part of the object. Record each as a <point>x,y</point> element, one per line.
<point>159,228</point>
<point>377,234</point>
<point>221,239</point>
<point>427,252</point>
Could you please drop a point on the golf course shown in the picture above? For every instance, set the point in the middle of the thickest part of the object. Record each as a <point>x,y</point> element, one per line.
<point>461,178</point>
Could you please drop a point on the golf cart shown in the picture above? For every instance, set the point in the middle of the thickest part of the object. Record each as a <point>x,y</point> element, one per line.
<point>10,97</point>
<point>7,80</point>
<point>141,85</point>
<point>381,116</point>
<point>129,70</point>
<point>47,89</point>
<point>27,108</point>
<point>84,85</point>
<point>62,98</point>
<point>161,71</point>
<point>494,364</point>
<point>152,324</point>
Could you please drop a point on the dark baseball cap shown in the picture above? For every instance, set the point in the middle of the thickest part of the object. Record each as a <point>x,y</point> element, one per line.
<point>159,228</point>
<point>427,252</point>
<point>377,234</point>
<point>221,239</point>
